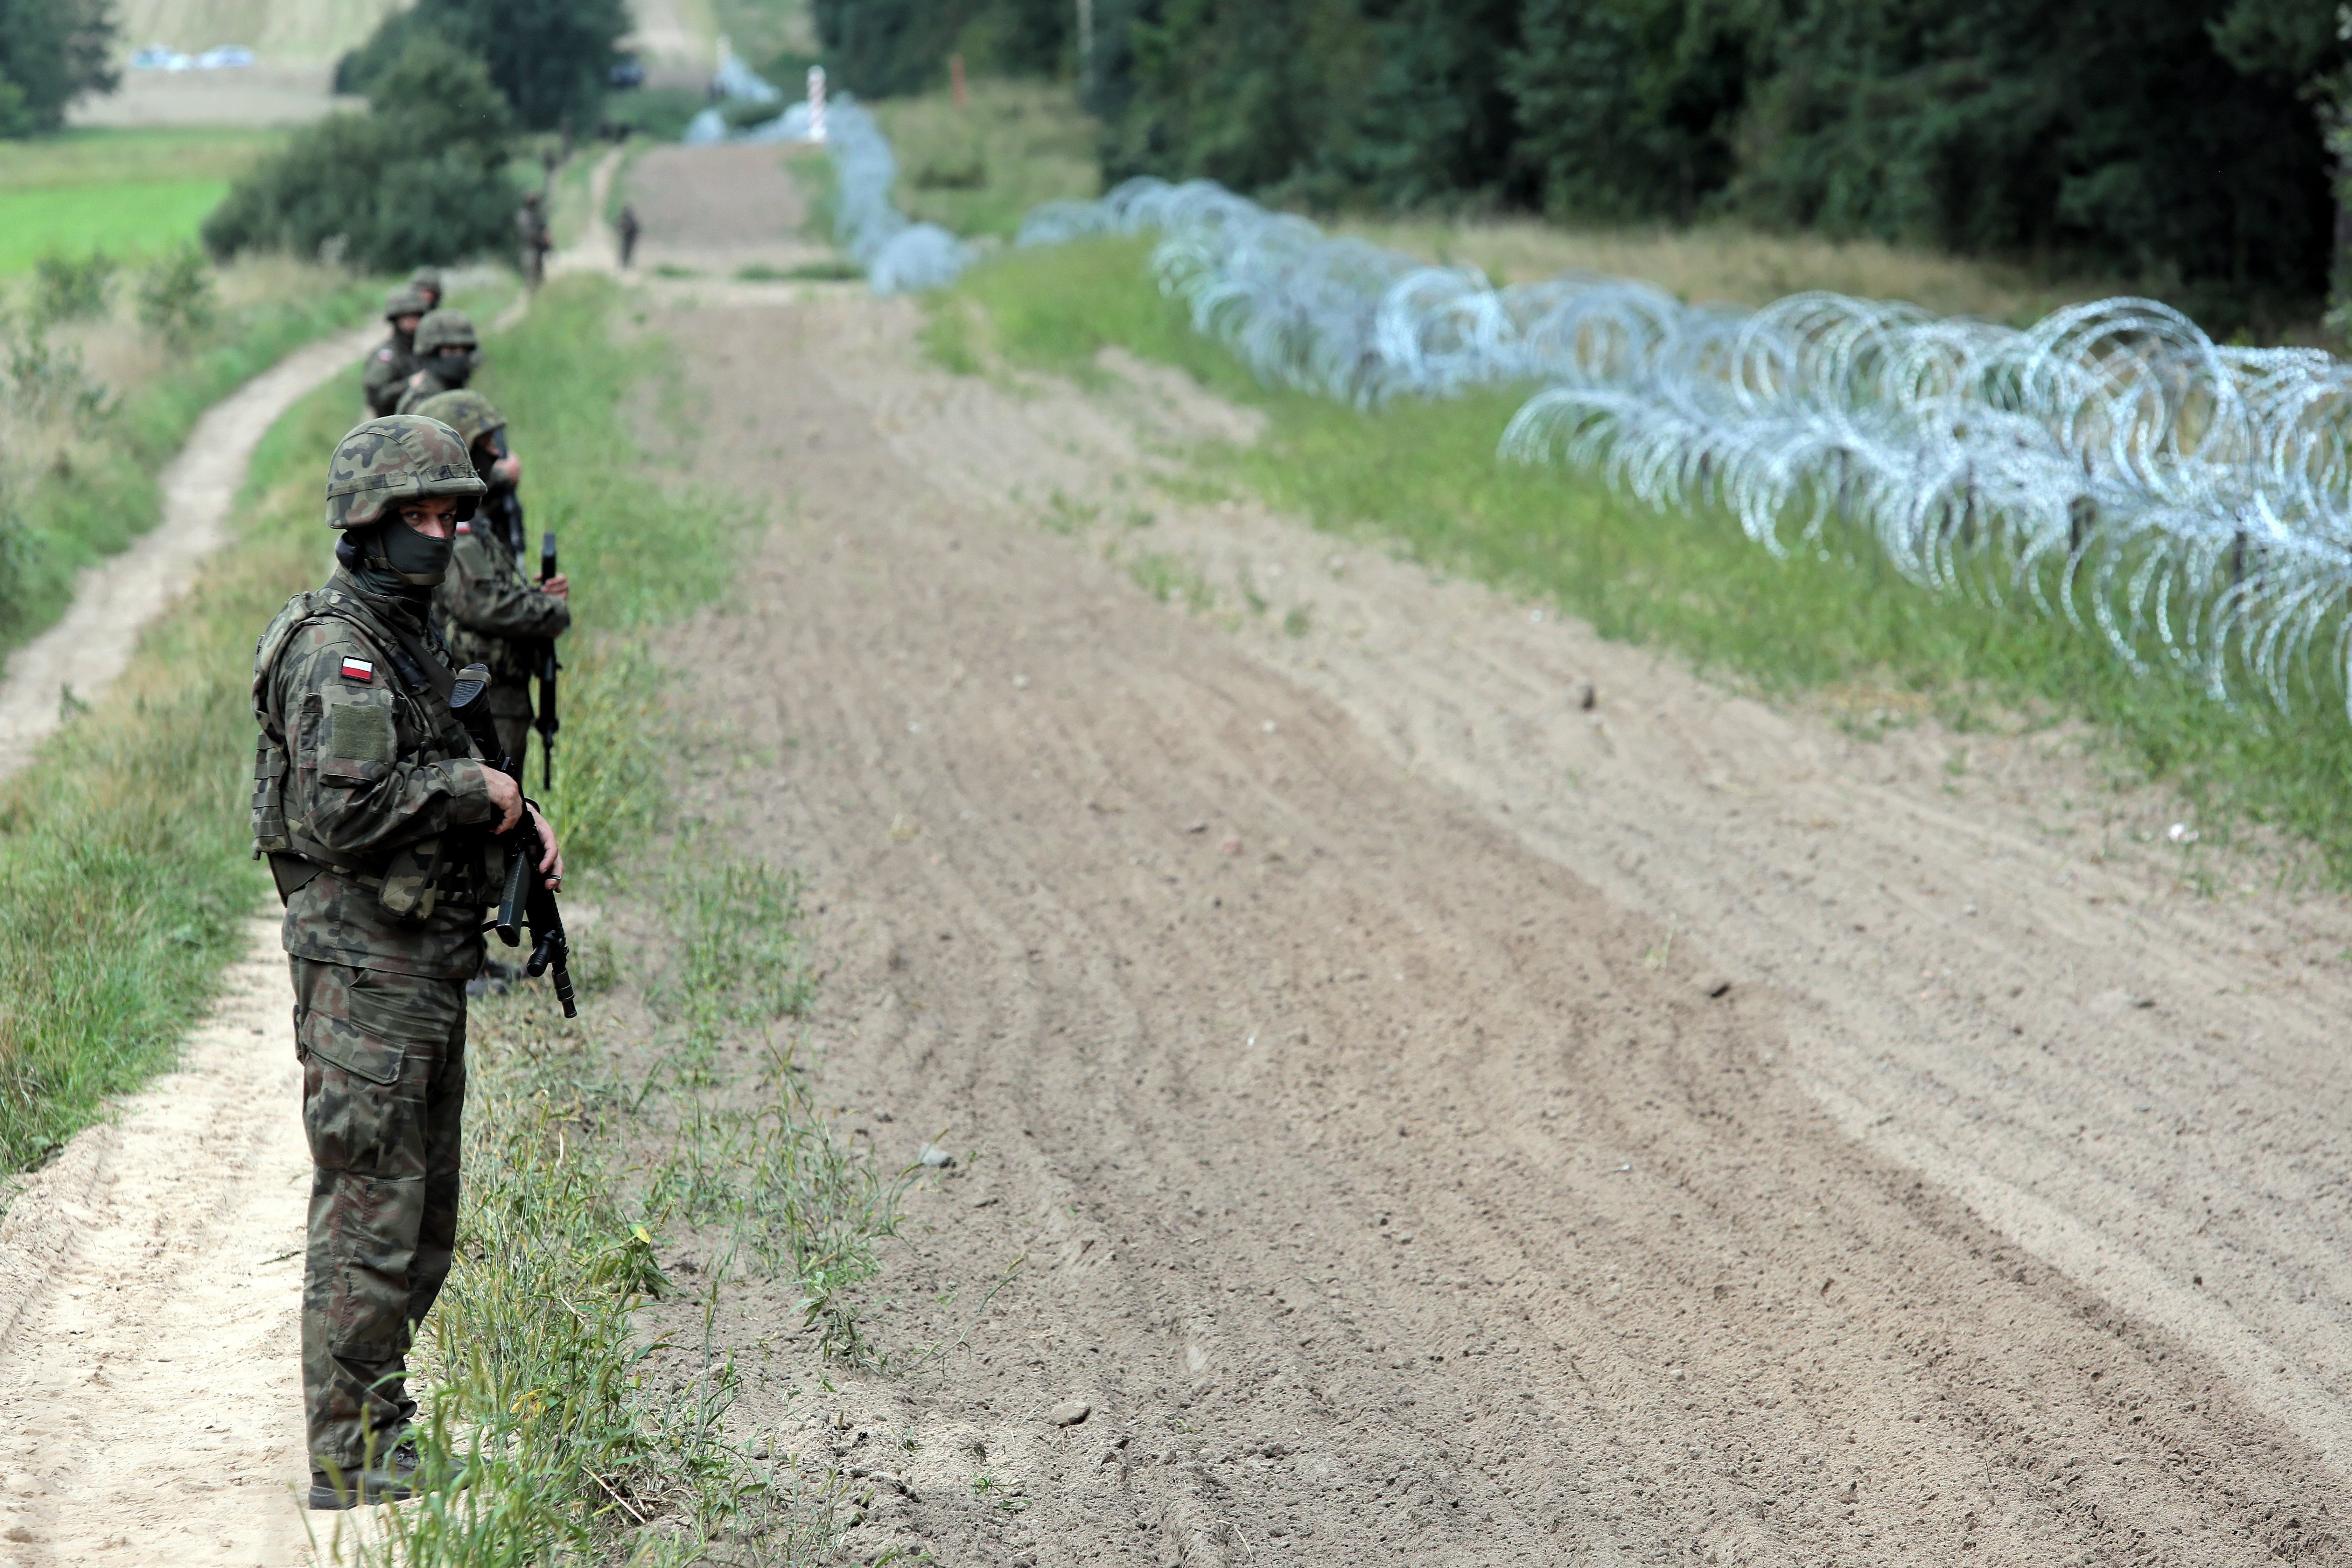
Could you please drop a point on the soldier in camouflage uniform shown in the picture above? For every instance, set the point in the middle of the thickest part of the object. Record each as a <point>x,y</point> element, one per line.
<point>395,359</point>
<point>489,611</point>
<point>447,355</point>
<point>426,280</point>
<point>378,820</point>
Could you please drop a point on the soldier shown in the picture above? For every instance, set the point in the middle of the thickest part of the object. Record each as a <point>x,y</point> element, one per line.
<point>377,818</point>
<point>488,610</point>
<point>530,229</point>
<point>626,227</point>
<point>447,355</point>
<point>395,359</point>
<point>426,280</point>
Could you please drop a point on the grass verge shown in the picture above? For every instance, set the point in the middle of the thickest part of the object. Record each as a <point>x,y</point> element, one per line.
<point>979,170</point>
<point>1425,476</point>
<point>99,493</point>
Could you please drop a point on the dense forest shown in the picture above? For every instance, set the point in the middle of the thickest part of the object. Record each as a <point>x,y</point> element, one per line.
<point>2186,141</point>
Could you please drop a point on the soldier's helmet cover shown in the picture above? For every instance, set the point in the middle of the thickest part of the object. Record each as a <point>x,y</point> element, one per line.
<point>427,277</point>
<point>467,412</point>
<point>407,299</point>
<point>384,462</point>
<point>445,328</point>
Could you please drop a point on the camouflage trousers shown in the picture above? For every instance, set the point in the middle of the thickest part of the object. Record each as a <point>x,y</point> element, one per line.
<point>383,1091</point>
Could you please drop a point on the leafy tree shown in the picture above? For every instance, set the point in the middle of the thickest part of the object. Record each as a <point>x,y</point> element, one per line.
<point>549,57</point>
<point>51,53</point>
<point>2113,130</point>
<point>1630,108</point>
<point>419,178</point>
<point>883,47</point>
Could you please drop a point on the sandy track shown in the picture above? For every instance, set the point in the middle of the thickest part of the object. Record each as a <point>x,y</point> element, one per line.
<point>150,1399</point>
<point>87,649</point>
<point>1334,1020</point>
<point>150,1392</point>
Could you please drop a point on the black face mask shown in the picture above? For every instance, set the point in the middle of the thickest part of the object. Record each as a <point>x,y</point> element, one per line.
<point>417,559</point>
<point>453,370</point>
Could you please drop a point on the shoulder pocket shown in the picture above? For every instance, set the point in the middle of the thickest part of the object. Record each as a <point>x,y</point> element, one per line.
<point>360,742</point>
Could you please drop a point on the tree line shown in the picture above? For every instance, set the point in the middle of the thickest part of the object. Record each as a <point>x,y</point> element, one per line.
<point>2192,142</point>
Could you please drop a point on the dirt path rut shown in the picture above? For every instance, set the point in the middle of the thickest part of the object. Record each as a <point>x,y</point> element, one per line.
<point>1439,1118</point>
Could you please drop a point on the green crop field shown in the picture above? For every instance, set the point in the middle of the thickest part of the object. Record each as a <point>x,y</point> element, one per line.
<point>122,191</point>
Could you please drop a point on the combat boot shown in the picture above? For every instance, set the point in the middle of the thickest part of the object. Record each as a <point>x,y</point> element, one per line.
<point>392,1481</point>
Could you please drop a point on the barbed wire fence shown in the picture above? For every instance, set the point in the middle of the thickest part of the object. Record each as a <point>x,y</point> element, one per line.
<point>2112,465</point>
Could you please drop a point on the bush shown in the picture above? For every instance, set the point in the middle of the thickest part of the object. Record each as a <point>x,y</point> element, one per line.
<point>67,288</point>
<point>419,178</point>
<point>176,302</point>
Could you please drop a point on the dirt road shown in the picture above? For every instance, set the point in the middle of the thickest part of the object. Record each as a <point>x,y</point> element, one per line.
<point>1421,1114</point>
<point>149,1401</point>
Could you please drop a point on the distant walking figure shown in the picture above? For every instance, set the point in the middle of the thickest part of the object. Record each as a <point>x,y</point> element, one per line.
<point>530,229</point>
<point>626,227</point>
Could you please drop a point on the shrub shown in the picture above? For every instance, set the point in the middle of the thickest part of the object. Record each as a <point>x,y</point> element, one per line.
<point>66,288</point>
<point>419,178</point>
<point>176,302</point>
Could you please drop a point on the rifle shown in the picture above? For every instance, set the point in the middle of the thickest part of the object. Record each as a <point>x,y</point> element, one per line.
<point>546,722</point>
<point>525,898</point>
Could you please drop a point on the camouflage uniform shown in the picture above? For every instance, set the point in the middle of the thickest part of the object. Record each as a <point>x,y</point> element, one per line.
<point>395,359</point>
<point>370,805</point>
<point>487,607</point>
<point>440,329</point>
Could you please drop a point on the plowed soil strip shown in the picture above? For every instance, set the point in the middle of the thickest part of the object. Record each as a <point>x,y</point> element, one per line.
<point>1339,1025</point>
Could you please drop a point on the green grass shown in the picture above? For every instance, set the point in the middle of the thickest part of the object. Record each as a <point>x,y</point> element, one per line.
<point>1425,476</point>
<point>130,192</point>
<point>979,170</point>
<point>131,219</point>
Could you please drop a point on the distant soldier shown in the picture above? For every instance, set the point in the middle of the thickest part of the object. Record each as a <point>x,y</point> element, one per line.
<point>394,358</point>
<point>378,820</point>
<point>530,231</point>
<point>447,355</point>
<point>625,225</point>
<point>426,280</point>
<point>486,607</point>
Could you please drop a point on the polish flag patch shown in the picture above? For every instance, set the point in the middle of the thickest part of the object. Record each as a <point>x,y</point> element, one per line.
<point>358,669</point>
<point>465,528</point>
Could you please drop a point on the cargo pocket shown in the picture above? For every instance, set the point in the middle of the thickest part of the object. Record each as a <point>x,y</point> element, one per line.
<point>344,1043</point>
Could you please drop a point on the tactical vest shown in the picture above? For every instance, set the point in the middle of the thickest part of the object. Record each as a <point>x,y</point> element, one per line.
<point>410,879</point>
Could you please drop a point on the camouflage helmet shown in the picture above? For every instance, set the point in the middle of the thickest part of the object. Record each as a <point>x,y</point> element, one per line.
<point>427,278</point>
<point>467,412</point>
<point>445,328</point>
<point>405,300</point>
<point>386,461</point>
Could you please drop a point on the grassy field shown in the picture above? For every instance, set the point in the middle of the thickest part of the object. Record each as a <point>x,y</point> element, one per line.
<point>128,192</point>
<point>279,30</point>
<point>1425,477</point>
<point>979,170</point>
<point>1735,265</point>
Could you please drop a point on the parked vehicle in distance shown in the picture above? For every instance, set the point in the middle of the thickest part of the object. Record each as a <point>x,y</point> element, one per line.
<point>156,57</point>
<point>224,57</point>
<point>627,73</point>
